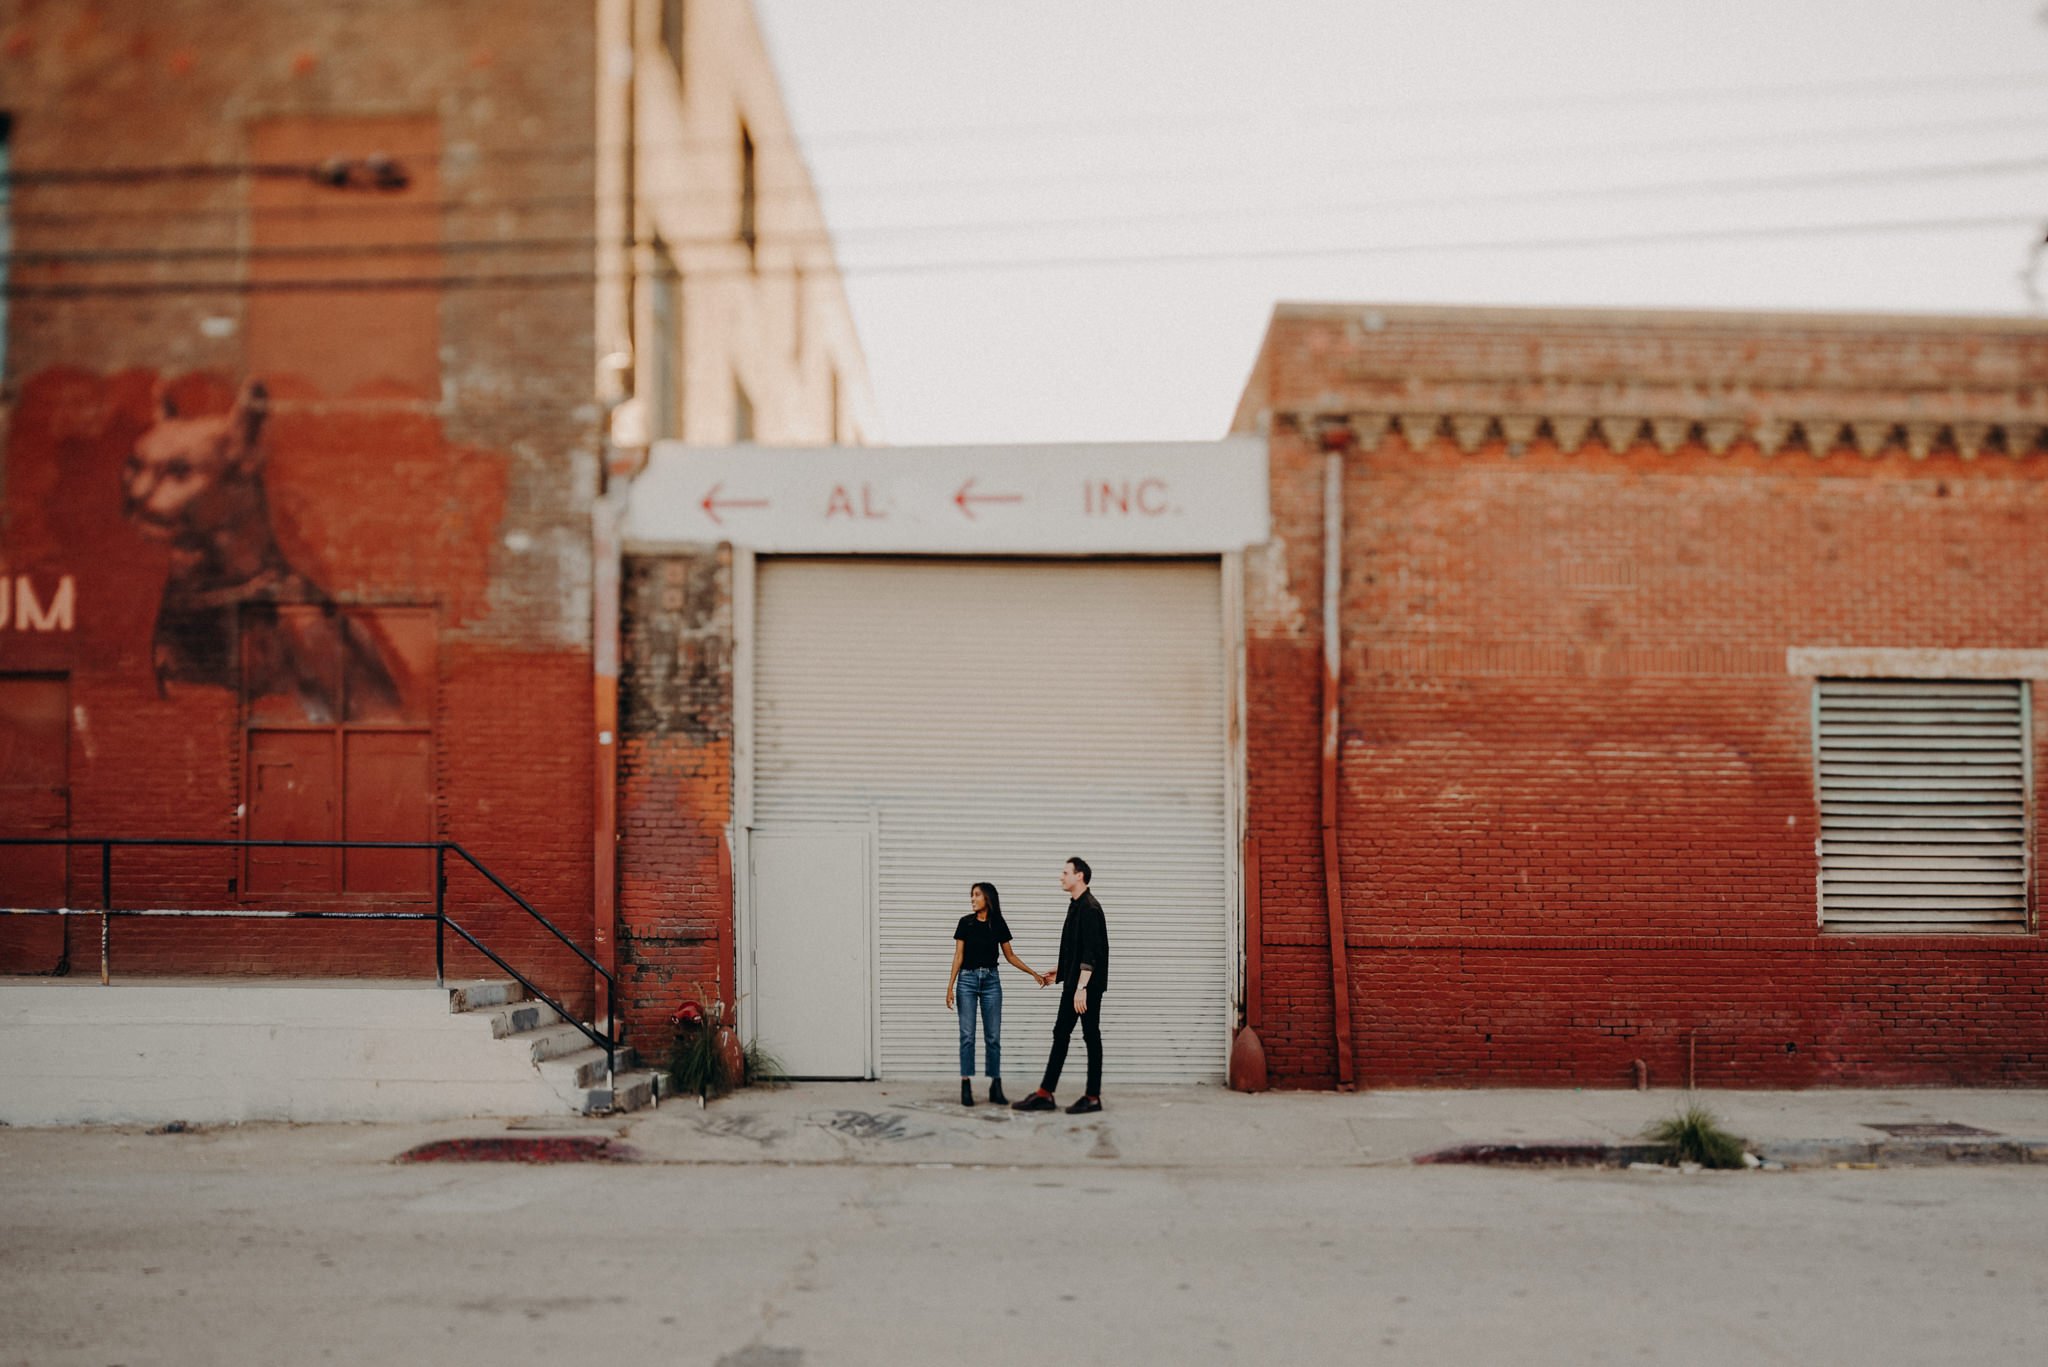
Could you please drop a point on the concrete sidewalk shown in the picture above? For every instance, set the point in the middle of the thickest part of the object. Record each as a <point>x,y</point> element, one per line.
<point>1169,1127</point>
<point>911,1124</point>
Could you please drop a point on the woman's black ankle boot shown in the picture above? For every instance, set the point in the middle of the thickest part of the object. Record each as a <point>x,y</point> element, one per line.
<point>995,1092</point>
<point>966,1092</point>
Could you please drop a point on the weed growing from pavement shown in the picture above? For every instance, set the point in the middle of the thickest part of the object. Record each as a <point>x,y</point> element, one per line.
<point>764,1066</point>
<point>1695,1135</point>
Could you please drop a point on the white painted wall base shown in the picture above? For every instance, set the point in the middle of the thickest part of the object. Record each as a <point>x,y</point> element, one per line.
<point>222,1051</point>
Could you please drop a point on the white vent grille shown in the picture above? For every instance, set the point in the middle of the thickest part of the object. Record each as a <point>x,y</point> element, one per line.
<point>1923,792</point>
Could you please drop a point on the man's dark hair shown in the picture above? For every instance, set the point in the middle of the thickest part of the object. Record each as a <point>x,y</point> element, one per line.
<point>1081,867</point>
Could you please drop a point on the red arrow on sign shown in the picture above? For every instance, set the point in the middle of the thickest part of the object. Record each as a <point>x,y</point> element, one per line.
<point>712,503</point>
<point>966,498</point>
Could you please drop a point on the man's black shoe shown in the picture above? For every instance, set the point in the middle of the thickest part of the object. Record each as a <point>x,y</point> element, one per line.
<point>1087,1105</point>
<point>1037,1101</point>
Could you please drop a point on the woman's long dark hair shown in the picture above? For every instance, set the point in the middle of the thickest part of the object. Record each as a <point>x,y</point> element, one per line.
<point>989,895</point>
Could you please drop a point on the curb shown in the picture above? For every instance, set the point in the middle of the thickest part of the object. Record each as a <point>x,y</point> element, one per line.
<point>1566,1155</point>
<point>1809,1153</point>
<point>1792,1153</point>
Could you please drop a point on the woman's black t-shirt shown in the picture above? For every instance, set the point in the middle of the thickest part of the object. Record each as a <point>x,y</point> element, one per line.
<point>981,938</point>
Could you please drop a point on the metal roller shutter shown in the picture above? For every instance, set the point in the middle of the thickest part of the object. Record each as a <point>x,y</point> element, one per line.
<point>1923,789</point>
<point>999,717</point>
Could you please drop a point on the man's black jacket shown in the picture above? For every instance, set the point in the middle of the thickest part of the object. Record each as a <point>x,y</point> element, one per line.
<point>1085,940</point>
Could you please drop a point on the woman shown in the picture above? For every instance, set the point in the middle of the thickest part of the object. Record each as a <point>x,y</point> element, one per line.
<point>975,941</point>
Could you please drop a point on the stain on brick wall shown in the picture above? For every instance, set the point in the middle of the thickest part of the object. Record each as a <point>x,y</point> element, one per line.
<point>675,785</point>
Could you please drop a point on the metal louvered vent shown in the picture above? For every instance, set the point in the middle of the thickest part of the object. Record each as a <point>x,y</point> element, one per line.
<point>1923,793</point>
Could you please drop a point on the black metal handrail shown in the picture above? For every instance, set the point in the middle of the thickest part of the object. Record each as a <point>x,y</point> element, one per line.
<point>607,1039</point>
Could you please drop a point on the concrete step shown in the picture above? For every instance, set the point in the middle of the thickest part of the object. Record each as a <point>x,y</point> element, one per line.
<point>554,1041</point>
<point>518,1018</point>
<point>484,993</point>
<point>572,1067</point>
<point>629,1092</point>
<point>585,1067</point>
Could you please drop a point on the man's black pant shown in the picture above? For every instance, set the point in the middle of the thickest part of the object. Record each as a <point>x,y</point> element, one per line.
<point>1091,1036</point>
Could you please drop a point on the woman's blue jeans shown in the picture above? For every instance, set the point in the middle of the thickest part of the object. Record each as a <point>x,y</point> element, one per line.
<point>980,987</point>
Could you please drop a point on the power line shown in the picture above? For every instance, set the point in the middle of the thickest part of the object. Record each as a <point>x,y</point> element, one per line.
<point>1520,154</point>
<point>380,206</point>
<point>726,146</point>
<point>308,252</point>
<point>1972,82</point>
<point>540,279</point>
<point>1673,237</point>
<point>1706,185</point>
<point>1567,194</point>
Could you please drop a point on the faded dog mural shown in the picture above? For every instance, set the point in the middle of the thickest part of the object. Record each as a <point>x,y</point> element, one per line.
<point>195,485</point>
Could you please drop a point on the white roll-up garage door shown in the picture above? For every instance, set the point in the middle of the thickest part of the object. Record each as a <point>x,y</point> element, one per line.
<point>995,718</point>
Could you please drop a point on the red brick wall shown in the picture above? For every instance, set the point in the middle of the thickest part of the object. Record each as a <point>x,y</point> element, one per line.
<point>1578,804</point>
<point>675,787</point>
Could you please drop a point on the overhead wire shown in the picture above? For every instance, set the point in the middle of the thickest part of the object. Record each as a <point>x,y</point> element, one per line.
<point>1321,166</point>
<point>1720,185</point>
<point>723,148</point>
<point>1699,185</point>
<point>1462,103</point>
<point>997,265</point>
<point>366,201</point>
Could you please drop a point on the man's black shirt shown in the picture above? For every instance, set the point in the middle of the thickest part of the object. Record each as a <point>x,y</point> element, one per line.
<point>1085,940</point>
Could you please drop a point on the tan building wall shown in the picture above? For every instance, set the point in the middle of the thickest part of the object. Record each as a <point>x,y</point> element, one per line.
<point>719,310</point>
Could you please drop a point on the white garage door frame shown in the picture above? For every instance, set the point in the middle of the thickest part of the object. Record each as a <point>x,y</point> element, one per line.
<point>745,569</point>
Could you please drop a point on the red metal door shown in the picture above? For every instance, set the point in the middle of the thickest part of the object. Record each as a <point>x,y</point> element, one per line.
<point>292,791</point>
<point>35,800</point>
<point>390,784</point>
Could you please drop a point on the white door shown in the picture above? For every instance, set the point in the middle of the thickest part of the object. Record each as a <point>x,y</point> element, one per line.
<point>810,930</point>
<point>997,717</point>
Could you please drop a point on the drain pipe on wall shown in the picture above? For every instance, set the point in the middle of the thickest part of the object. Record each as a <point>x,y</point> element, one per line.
<point>625,455</point>
<point>1334,443</point>
<point>622,454</point>
<point>605,517</point>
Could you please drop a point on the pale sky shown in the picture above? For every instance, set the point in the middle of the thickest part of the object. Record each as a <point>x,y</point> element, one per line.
<point>1009,184</point>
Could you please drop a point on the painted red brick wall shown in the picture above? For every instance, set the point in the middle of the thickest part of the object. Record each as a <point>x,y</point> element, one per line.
<point>1578,806</point>
<point>431,441</point>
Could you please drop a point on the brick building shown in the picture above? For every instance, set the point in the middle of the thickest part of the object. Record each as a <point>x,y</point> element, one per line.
<point>1684,680</point>
<point>1688,707</point>
<point>1521,697</point>
<point>320,320</point>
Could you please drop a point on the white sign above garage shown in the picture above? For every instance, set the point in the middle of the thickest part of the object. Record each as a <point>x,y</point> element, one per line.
<point>1165,498</point>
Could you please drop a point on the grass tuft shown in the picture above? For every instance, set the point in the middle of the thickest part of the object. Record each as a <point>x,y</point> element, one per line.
<point>764,1066</point>
<point>1695,1135</point>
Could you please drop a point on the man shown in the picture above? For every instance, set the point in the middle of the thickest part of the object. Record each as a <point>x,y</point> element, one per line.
<point>1084,969</point>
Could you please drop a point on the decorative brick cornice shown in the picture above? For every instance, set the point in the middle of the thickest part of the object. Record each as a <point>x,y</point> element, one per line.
<point>1613,380</point>
<point>1814,434</point>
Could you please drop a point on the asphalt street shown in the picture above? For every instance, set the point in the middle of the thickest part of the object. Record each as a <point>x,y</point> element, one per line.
<point>272,1245</point>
